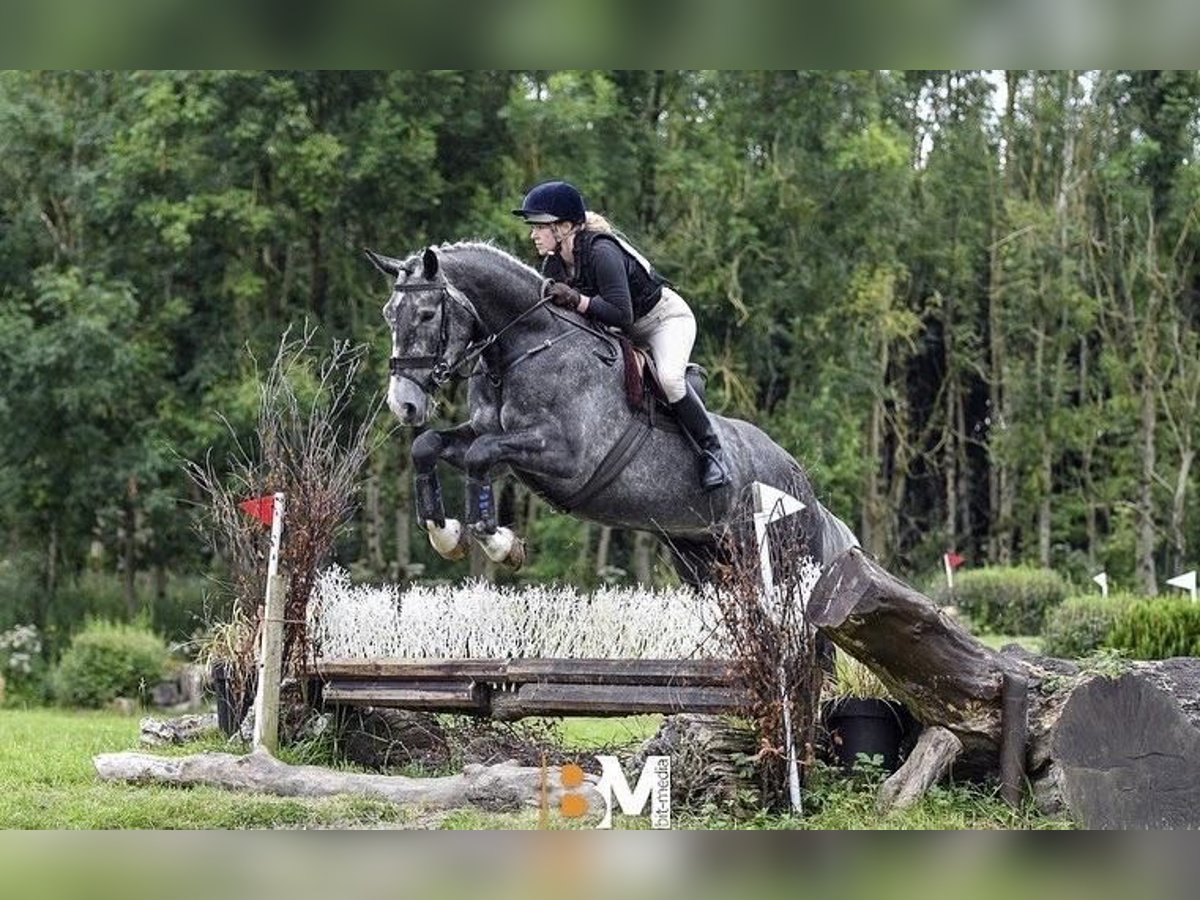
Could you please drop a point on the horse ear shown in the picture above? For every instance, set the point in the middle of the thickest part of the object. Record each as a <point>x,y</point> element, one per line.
<point>384,264</point>
<point>429,262</point>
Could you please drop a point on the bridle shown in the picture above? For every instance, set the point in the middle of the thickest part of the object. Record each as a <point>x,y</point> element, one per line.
<point>440,369</point>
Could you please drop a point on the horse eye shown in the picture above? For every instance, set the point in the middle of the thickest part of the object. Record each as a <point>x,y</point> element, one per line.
<point>424,315</point>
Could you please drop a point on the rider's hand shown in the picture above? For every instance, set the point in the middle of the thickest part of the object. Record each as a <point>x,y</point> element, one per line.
<point>563,295</point>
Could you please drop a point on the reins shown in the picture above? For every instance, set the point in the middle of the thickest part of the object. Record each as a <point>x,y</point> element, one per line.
<point>441,370</point>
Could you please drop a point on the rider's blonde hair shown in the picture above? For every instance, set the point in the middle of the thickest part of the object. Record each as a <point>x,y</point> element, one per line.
<point>596,222</point>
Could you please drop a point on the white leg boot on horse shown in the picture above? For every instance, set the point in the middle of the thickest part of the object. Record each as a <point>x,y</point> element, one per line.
<point>503,546</point>
<point>451,540</point>
<point>500,544</point>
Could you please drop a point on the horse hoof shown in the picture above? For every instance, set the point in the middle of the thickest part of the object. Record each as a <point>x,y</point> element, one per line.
<point>516,556</point>
<point>502,546</point>
<point>451,542</point>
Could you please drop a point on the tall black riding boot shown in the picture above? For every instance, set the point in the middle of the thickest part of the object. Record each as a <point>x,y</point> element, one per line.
<point>694,418</point>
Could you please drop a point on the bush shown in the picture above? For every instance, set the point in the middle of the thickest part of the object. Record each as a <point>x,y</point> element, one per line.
<point>1158,629</point>
<point>1081,624</point>
<point>22,667</point>
<point>1009,600</point>
<point>106,661</point>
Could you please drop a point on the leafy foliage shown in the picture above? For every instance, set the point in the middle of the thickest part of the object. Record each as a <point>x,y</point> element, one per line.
<point>1158,629</point>
<point>106,661</point>
<point>1082,624</point>
<point>1009,599</point>
<point>963,299</point>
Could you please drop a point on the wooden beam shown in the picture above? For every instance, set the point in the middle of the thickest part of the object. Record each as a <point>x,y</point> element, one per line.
<point>449,695</point>
<point>413,669</point>
<point>612,700</point>
<point>678,672</point>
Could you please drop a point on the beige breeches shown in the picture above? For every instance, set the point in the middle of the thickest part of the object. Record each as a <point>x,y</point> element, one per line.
<point>668,331</point>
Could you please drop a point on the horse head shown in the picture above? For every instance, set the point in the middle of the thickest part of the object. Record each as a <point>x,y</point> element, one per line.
<point>431,323</point>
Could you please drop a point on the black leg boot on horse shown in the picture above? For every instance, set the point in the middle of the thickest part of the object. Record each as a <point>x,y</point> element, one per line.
<point>446,536</point>
<point>693,417</point>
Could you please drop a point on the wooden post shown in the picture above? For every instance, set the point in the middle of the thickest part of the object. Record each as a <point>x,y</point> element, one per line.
<point>771,504</point>
<point>1014,733</point>
<point>270,662</point>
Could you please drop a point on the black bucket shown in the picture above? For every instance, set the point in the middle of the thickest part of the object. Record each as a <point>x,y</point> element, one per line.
<point>865,725</point>
<point>233,700</point>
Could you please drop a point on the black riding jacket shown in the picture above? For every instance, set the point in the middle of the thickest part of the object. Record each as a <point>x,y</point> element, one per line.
<point>621,288</point>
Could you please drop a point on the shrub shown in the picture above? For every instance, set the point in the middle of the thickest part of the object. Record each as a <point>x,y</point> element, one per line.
<point>1158,628</point>
<point>1009,600</point>
<point>1081,624</point>
<point>22,667</point>
<point>106,661</point>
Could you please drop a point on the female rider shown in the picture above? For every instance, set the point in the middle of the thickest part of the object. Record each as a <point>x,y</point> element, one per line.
<point>601,275</point>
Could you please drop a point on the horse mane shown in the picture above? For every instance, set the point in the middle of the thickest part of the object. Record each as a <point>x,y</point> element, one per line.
<point>489,248</point>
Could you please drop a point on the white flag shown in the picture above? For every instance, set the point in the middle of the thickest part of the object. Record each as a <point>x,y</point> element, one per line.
<point>1102,580</point>
<point>1187,581</point>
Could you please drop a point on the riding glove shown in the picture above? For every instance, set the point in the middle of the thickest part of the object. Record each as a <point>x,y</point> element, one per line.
<point>563,295</point>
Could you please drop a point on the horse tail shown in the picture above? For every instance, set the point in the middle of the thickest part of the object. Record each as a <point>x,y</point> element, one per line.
<point>836,537</point>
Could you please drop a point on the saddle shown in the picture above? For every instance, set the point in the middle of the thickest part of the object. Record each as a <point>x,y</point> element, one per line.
<point>643,389</point>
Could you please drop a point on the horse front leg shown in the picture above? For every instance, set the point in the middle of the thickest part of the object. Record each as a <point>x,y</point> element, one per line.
<point>447,536</point>
<point>526,450</point>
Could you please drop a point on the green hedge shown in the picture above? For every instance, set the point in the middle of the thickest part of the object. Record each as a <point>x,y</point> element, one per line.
<point>106,661</point>
<point>1008,599</point>
<point>1081,624</point>
<point>1158,628</point>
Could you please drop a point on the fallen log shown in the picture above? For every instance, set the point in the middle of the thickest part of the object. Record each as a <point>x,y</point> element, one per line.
<point>1089,734</point>
<point>929,761</point>
<point>503,787</point>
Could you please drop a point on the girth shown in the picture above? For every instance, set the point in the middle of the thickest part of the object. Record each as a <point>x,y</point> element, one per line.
<point>614,462</point>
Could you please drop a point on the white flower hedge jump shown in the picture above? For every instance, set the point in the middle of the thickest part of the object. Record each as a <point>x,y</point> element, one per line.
<point>485,621</point>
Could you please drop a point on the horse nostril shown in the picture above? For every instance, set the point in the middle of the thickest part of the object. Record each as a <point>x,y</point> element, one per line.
<point>409,410</point>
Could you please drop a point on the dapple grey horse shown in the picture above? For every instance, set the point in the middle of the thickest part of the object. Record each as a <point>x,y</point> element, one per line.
<point>547,402</point>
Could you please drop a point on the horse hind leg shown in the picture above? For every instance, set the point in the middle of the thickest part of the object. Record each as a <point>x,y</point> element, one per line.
<point>500,544</point>
<point>503,546</point>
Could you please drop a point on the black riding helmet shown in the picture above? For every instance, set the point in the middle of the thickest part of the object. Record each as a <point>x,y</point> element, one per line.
<point>552,201</point>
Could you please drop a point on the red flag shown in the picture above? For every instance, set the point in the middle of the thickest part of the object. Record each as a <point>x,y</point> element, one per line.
<point>953,560</point>
<point>262,508</point>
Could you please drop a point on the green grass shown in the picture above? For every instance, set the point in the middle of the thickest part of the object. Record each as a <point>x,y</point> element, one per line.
<point>585,733</point>
<point>1031,642</point>
<point>47,781</point>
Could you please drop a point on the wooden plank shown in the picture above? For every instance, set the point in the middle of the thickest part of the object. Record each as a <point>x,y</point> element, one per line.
<point>684,672</point>
<point>681,672</point>
<point>413,669</point>
<point>446,695</point>
<point>547,699</point>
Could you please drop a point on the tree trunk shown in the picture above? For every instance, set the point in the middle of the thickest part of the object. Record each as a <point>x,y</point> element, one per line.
<point>404,515</point>
<point>129,547</point>
<point>950,452</point>
<point>500,787</point>
<point>643,558</point>
<point>1047,480</point>
<point>602,548</point>
<point>1179,506</point>
<point>1115,753</point>
<point>373,519</point>
<point>1147,579</point>
<point>873,515</point>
